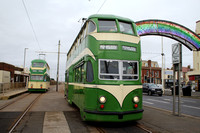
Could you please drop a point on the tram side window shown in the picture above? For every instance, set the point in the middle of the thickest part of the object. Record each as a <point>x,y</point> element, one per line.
<point>78,73</point>
<point>125,27</point>
<point>107,25</point>
<point>89,72</point>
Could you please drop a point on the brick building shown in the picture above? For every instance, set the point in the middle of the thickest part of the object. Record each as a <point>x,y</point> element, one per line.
<point>151,72</point>
<point>16,73</point>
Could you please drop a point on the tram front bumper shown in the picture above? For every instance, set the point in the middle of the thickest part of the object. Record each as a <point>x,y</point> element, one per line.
<point>107,116</point>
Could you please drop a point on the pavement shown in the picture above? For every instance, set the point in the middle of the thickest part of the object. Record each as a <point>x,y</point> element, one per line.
<point>154,119</point>
<point>13,93</point>
<point>161,121</point>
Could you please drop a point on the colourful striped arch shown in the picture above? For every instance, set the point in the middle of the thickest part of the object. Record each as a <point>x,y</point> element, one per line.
<point>169,29</point>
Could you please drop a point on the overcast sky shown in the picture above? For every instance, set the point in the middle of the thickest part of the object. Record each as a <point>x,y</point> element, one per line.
<point>55,20</point>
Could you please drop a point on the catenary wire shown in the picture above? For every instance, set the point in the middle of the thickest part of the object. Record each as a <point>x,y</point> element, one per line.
<point>31,24</point>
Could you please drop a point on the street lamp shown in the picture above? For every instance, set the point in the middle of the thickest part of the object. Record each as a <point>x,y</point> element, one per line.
<point>24,57</point>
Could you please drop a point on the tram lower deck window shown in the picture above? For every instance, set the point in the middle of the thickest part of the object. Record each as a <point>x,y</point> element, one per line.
<point>118,70</point>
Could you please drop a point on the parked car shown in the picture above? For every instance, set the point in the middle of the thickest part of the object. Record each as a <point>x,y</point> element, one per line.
<point>151,89</point>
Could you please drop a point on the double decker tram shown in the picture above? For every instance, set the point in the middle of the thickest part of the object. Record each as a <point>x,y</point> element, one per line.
<point>39,76</point>
<point>103,70</point>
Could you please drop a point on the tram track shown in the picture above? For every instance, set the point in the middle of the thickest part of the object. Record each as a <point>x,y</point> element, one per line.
<point>137,125</point>
<point>14,101</point>
<point>27,101</point>
<point>14,125</point>
<point>143,128</point>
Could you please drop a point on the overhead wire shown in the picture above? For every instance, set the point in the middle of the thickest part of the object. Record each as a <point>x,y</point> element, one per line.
<point>101,6</point>
<point>31,24</point>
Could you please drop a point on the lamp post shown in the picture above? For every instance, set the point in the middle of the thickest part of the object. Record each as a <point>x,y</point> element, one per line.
<point>24,57</point>
<point>24,63</point>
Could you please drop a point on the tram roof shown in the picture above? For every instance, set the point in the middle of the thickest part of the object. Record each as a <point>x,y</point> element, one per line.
<point>39,60</point>
<point>109,16</point>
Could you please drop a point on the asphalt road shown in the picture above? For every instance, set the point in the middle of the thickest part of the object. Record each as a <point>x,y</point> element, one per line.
<point>189,106</point>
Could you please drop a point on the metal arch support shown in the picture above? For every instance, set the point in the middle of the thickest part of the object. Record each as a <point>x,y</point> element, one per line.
<point>171,30</point>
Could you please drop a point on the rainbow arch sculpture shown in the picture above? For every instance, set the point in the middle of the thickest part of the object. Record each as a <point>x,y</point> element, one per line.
<point>169,29</point>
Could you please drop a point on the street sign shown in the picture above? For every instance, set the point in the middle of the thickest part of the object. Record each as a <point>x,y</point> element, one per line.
<point>177,66</point>
<point>175,53</point>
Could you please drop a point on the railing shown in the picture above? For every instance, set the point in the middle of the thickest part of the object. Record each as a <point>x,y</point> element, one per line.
<point>5,87</point>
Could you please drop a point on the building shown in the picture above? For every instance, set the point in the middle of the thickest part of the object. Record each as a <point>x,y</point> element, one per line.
<point>16,74</point>
<point>168,78</point>
<point>194,76</point>
<point>151,72</point>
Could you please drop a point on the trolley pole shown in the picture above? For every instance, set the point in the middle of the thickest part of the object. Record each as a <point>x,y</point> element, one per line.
<point>58,65</point>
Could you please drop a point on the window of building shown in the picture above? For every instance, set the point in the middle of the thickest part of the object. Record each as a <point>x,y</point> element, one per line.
<point>152,73</point>
<point>147,73</point>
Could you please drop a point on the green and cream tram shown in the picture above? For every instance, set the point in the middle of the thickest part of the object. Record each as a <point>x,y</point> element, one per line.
<point>39,76</point>
<point>103,70</point>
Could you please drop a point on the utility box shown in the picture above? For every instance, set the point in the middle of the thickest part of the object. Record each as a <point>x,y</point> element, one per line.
<point>4,76</point>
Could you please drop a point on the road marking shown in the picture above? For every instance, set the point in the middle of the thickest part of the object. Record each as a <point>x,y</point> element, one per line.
<point>147,102</point>
<point>190,107</point>
<point>188,101</point>
<point>158,101</point>
<point>167,99</point>
<point>55,122</point>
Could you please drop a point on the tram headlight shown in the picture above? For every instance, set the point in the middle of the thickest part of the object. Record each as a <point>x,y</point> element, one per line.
<point>102,99</point>
<point>136,99</point>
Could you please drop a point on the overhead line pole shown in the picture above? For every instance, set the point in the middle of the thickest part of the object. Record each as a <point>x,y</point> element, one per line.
<point>58,65</point>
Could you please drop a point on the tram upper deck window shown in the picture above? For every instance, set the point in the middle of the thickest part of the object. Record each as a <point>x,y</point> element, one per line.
<point>126,27</point>
<point>37,77</point>
<point>38,64</point>
<point>107,25</point>
<point>91,27</point>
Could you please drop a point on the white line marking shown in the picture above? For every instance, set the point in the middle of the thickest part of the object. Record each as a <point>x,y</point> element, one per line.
<point>147,102</point>
<point>158,101</point>
<point>167,99</point>
<point>188,101</point>
<point>55,122</point>
<point>190,107</point>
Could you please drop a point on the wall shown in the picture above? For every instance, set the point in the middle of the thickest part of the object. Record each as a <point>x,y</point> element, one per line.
<point>4,76</point>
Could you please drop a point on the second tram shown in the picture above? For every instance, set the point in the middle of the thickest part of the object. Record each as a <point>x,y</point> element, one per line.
<point>39,76</point>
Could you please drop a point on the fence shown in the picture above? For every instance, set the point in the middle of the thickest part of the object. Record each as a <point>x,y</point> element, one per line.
<point>5,87</point>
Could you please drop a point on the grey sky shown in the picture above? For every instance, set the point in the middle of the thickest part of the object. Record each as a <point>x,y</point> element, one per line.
<point>55,20</point>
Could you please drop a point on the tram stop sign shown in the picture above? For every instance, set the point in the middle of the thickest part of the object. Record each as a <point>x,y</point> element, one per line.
<point>176,53</point>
